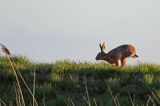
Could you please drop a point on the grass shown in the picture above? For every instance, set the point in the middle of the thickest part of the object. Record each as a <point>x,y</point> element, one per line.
<point>68,83</point>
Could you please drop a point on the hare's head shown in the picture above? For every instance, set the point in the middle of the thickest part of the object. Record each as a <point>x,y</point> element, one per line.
<point>102,54</point>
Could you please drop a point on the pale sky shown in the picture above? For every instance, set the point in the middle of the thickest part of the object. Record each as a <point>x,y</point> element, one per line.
<point>50,30</point>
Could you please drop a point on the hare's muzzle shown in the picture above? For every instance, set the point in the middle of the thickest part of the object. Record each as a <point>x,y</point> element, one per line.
<point>96,58</point>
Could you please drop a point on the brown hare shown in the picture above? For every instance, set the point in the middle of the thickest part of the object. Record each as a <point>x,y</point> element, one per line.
<point>118,55</point>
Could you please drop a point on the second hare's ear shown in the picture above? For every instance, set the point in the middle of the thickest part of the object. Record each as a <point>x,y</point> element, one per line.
<point>103,46</point>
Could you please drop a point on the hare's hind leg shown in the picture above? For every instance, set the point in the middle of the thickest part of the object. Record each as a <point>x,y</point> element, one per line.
<point>123,62</point>
<point>118,63</point>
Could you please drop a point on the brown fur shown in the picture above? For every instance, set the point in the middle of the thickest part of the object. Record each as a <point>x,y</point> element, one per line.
<point>117,55</point>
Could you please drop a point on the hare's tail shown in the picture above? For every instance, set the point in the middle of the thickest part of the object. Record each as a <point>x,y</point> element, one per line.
<point>135,56</point>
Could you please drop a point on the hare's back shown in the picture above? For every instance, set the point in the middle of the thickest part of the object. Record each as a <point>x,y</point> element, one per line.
<point>126,50</point>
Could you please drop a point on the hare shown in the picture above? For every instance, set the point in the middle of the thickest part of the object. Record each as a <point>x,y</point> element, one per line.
<point>117,55</point>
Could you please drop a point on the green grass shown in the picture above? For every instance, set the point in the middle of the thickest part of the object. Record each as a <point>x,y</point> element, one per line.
<point>68,83</point>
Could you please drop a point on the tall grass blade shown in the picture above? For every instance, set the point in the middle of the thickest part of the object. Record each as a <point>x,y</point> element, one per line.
<point>17,80</point>
<point>151,100</point>
<point>112,96</point>
<point>2,102</point>
<point>34,83</point>
<point>7,53</point>
<point>70,102</point>
<point>24,81</point>
<point>88,99</point>
<point>95,102</point>
<point>158,101</point>
<point>19,98</point>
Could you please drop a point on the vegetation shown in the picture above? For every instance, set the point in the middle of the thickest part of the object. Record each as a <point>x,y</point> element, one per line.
<point>68,83</point>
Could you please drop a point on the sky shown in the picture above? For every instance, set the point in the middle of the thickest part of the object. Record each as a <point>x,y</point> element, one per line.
<point>51,30</point>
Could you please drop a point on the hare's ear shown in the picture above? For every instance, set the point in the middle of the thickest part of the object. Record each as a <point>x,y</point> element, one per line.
<point>100,46</point>
<point>103,46</point>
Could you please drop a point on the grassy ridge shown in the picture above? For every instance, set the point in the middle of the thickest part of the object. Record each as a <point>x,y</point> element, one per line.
<point>69,83</point>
